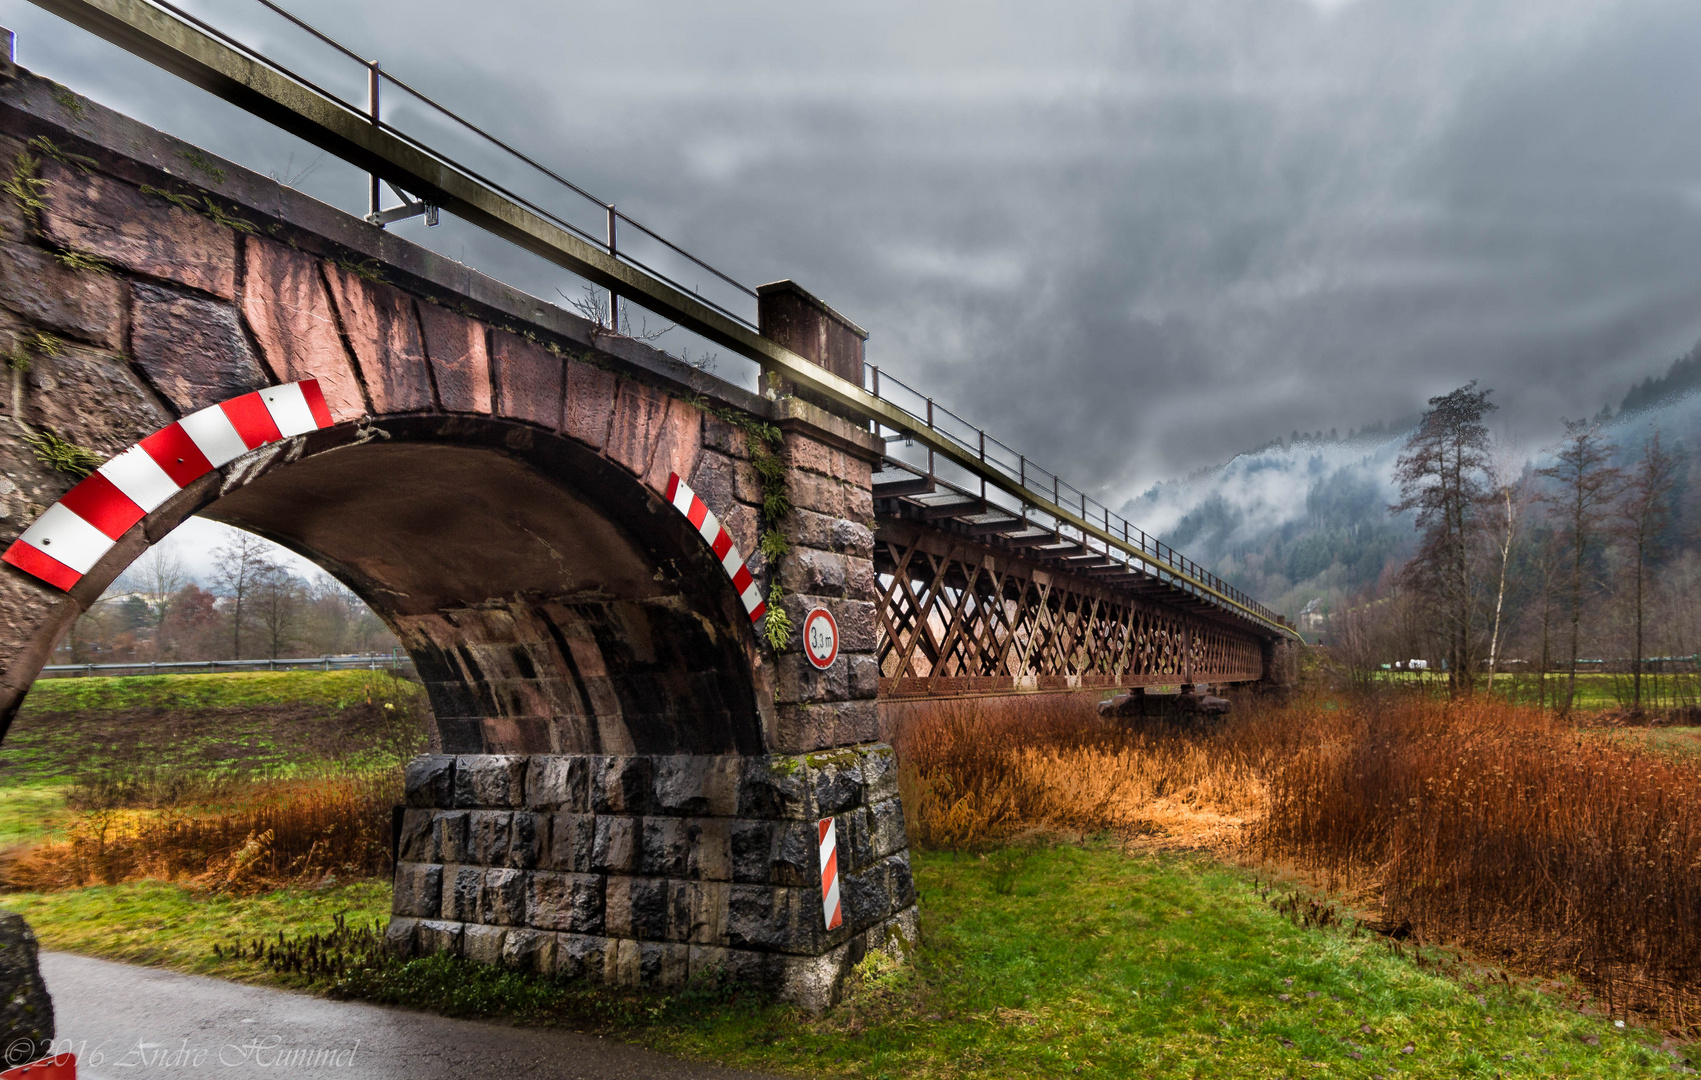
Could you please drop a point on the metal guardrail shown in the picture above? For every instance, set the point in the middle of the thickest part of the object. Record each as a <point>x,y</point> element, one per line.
<point>369,662</point>
<point>215,60</point>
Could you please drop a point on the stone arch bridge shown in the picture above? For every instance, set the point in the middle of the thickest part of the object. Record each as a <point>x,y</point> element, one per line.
<point>632,784</point>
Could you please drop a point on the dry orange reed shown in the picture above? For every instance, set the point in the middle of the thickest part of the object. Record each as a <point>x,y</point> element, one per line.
<point>280,832</point>
<point>1505,828</point>
<point>973,775</point>
<point>1493,825</point>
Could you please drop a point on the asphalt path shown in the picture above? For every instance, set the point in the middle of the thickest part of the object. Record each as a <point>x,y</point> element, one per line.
<point>125,1022</point>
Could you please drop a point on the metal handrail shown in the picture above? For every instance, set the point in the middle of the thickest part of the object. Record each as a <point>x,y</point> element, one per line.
<point>343,662</point>
<point>207,57</point>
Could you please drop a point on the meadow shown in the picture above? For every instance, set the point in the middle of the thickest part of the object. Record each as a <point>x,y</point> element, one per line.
<point>1361,886</point>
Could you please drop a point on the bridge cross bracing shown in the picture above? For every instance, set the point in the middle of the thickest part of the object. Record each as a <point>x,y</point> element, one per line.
<point>1099,601</point>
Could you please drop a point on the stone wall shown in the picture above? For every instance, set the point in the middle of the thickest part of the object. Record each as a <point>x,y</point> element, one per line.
<point>654,870</point>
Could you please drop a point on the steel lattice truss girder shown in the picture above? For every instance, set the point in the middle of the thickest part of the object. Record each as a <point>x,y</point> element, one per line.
<point>959,618</point>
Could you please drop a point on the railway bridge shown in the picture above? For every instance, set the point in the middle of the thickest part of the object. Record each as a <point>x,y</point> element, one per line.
<point>657,613</point>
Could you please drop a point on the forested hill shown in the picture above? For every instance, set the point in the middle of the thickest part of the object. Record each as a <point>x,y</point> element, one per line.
<point>1306,518</point>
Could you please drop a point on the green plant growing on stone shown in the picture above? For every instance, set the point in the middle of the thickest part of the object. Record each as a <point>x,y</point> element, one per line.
<point>69,101</point>
<point>49,148</point>
<point>25,186</point>
<point>369,270</point>
<point>776,625</point>
<point>18,360</point>
<point>202,163</point>
<point>81,261</point>
<point>763,441</point>
<point>204,206</point>
<point>63,455</point>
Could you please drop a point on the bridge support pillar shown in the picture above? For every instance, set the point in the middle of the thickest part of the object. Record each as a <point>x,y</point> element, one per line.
<point>655,869</point>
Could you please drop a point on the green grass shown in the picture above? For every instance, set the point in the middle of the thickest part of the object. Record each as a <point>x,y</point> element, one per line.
<point>1595,690</point>
<point>151,922</point>
<point>1065,961</point>
<point>332,689</point>
<point>251,723</point>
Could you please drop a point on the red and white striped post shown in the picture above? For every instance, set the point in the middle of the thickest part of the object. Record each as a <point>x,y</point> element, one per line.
<point>830,875</point>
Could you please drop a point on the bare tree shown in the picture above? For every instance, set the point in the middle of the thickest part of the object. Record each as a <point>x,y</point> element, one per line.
<point>1441,478</point>
<point>237,569</point>
<point>278,598</point>
<point>157,575</point>
<point>1644,512</point>
<point>1509,489</point>
<point>1584,488</point>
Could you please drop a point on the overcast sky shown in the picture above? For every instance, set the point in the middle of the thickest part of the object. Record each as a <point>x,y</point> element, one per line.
<point>1131,239</point>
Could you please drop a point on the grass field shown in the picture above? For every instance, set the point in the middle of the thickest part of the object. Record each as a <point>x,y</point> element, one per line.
<point>1039,957</point>
<point>167,740</point>
<point>275,723</point>
<point>1595,691</point>
<point>1060,961</point>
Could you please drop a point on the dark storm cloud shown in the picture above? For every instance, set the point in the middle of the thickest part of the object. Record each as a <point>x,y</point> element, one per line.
<point>1128,238</point>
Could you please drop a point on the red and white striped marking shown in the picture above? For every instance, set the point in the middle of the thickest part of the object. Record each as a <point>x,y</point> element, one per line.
<point>830,875</point>
<point>75,532</point>
<point>704,521</point>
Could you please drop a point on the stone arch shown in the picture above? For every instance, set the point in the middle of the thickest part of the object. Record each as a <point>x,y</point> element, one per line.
<point>635,783</point>
<point>552,602</point>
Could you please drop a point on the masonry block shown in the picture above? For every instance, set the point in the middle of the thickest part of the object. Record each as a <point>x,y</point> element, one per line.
<point>438,936</point>
<point>621,784</point>
<point>429,779</point>
<point>572,842</point>
<point>418,890</point>
<point>773,788</point>
<point>379,323</point>
<point>528,840</point>
<point>141,233</point>
<point>664,848</point>
<point>288,308</point>
<point>709,849</point>
<point>647,963</point>
<point>614,847</point>
<point>81,304</point>
<point>886,823</point>
<point>697,785</point>
<point>879,773</point>
<point>449,835</point>
<point>483,944</point>
<point>463,893</point>
<point>457,349</point>
<point>488,834</point>
<point>585,956</point>
<point>401,937</point>
<point>529,950</point>
<point>493,781</point>
<point>417,842</point>
<point>192,349</point>
<point>503,902</point>
<point>556,782</point>
<point>528,380</point>
<point>590,403</point>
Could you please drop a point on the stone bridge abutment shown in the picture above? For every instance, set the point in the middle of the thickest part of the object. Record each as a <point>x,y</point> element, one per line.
<point>631,780</point>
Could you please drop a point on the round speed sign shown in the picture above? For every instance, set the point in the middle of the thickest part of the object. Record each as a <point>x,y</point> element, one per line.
<point>820,638</point>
